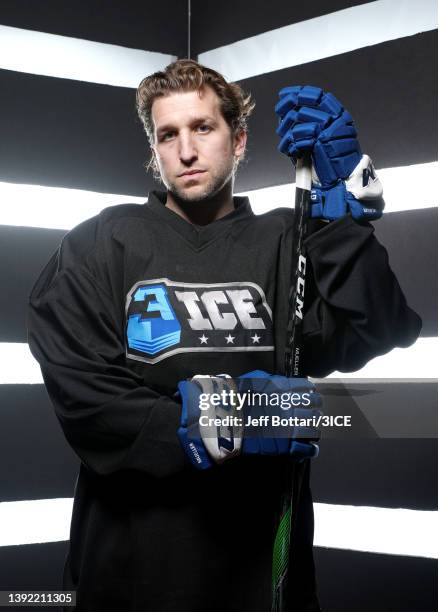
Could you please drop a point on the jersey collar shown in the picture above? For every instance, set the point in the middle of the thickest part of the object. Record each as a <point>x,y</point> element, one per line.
<point>198,236</point>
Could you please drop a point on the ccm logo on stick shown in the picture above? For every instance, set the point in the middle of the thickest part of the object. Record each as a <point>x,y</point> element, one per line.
<point>301,281</point>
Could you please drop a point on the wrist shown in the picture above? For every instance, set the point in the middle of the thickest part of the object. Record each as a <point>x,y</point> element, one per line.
<point>194,449</point>
<point>188,432</point>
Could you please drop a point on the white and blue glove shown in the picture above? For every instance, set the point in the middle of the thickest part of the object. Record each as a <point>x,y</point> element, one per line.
<point>254,414</point>
<point>344,180</point>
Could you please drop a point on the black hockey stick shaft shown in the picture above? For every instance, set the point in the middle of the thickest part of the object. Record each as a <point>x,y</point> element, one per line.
<point>282,563</point>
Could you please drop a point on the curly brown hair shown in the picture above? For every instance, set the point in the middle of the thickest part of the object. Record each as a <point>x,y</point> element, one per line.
<point>188,75</point>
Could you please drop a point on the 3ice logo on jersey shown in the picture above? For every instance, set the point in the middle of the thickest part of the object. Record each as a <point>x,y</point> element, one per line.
<point>164,317</point>
<point>152,325</point>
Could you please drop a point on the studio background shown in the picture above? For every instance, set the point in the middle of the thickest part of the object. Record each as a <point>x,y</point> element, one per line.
<point>71,144</point>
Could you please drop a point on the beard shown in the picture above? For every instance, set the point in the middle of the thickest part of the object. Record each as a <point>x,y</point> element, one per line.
<point>201,193</point>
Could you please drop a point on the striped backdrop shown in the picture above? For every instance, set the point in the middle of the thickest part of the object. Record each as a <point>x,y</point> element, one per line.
<point>70,144</point>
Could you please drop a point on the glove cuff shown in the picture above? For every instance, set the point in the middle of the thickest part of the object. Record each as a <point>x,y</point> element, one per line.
<point>194,449</point>
<point>192,445</point>
<point>363,183</point>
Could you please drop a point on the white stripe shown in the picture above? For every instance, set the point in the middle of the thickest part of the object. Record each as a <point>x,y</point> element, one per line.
<point>325,36</point>
<point>35,521</point>
<point>54,207</point>
<point>404,188</point>
<point>18,366</point>
<point>391,531</point>
<point>361,528</point>
<point>74,58</point>
<point>416,362</point>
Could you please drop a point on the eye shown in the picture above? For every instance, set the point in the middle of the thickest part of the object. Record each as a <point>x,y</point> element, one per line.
<point>166,136</point>
<point>204,128</point>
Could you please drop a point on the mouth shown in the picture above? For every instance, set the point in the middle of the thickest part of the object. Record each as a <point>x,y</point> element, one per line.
<point>192,173</point>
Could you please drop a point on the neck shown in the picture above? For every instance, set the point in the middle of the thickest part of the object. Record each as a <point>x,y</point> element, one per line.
<point>202,212</point>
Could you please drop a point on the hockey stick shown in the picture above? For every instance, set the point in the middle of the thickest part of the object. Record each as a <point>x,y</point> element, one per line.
<point>293,368</point>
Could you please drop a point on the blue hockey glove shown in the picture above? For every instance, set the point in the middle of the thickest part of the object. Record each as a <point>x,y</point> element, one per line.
<point>298,400</point>
<point>207,445</point>
<point>255,414</point>
<point>344,180</point>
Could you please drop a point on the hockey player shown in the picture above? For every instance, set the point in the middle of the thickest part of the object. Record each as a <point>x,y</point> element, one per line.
<point>140,299</point>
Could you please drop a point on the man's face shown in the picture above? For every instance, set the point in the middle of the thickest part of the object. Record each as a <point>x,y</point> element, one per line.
<point>193,145</point>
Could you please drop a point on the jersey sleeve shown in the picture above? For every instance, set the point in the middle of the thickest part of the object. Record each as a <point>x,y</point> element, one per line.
<point>109,417</point>
<point>357,309</point>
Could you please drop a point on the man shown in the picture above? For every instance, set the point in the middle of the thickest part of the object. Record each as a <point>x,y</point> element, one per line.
<point>140,299</point>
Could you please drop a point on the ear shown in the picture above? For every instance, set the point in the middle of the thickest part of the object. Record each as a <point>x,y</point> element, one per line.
<point>240,143</point>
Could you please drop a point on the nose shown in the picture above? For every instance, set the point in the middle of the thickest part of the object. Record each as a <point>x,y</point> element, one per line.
<point>187,148</point>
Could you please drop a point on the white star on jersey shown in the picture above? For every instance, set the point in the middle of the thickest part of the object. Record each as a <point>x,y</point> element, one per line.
<point>203,339</point>
<point>230,339</point>
<point>255,339</point>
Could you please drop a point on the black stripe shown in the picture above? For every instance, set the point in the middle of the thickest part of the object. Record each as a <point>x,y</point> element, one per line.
<point>381,409</point>
<point>88,136</point>
<point>385,473</point>
<point>390,89</point>
<point>350,580</point>
<point>355,467</point>
<point>33,567</point>
<point>347,580</point>
<point>410,238</point>
<point>37,462</point>
<point>387,457</point>
<point>240,19</point>
<point>66,133</point>
<point>23,254</point>
<point>139,25</point>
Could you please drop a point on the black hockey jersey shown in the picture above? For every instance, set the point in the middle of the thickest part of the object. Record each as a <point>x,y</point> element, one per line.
<point>136,299</point>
